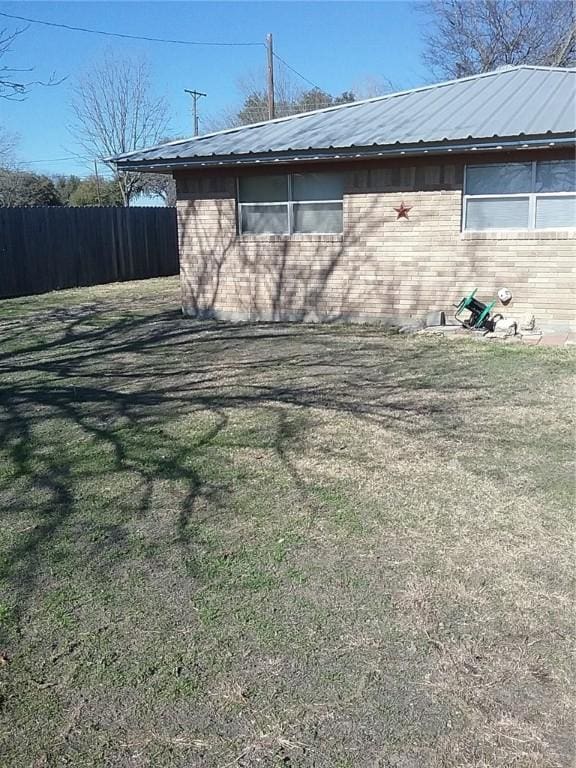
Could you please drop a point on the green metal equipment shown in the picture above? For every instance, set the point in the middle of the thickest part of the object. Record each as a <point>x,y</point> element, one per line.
<point>479,316</point>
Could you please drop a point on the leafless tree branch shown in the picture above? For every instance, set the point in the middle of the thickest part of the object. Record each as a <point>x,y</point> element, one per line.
<point>290,98</point>
<point>8,143</point>
<point>12,86</point>
<point>465,37</point>
<point>115,112</point>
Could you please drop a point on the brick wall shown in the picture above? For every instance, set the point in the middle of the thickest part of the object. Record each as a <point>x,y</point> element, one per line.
<point>380,267</point>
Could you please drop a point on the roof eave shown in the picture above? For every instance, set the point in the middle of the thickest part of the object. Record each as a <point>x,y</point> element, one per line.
<point>168,165</point>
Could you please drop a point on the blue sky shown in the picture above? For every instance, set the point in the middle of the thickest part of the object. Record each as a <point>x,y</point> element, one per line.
<point>334,44</point>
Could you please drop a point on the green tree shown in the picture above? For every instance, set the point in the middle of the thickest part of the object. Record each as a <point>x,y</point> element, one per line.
<point>20,188</point>
<point>65,186</point>
<point>93,191</point>
<point>160,185</point>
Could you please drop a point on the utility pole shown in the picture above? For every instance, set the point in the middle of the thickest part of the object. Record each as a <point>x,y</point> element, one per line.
<point>270,56</point>
<point>195,96</point>
<point>97,182</point>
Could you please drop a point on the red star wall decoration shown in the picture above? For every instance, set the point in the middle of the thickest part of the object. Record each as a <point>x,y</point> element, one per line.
<point>402,211</point>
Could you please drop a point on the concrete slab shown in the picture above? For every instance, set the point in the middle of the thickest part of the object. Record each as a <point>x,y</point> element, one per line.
<point>533,338</point>
<point>554,339</point>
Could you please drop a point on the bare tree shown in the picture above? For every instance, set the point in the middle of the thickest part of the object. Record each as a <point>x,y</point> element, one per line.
<point>14,84</point>
<point>290,99</point>
<point>465,37</point>
<point>8,143</point>
<point>10,84</point>
<point>116,111</point>
<point>369,86</point>
<point>254,107</point>
<point>9,88</point>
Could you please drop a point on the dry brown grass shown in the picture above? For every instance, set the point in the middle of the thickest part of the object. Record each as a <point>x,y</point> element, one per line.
<point>229,545</point>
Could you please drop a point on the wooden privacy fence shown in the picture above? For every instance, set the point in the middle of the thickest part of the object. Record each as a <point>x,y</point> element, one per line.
<point>43,249</point>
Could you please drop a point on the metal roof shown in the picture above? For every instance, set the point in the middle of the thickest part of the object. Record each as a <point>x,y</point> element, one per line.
<point>509,105</point>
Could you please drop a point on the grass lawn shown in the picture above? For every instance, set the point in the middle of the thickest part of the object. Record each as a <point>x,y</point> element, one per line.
<point>279,545</point>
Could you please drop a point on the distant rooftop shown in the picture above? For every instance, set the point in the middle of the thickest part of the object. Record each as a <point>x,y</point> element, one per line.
<point>512,106</point>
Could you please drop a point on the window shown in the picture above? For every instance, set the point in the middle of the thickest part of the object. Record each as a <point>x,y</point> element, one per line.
<point>536,195</point>
<point>298,202</point>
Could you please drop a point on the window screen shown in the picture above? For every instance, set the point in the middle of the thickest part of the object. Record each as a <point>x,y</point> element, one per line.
<point>317,217</point>
<point>263,189</point>
<point>286,204</point>
<point>509,179</point>
<point>264,218</point>
<point>497,213</point>
<point>535,195</point>
<point>317,186</point>
<point>556,212</point>
<point>556,176</point>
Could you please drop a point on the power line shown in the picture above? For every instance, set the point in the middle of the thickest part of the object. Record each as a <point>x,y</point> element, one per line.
<point>121,34</point>
<point>127,36</point>
<point>296,71</point>
<point>49,160</point>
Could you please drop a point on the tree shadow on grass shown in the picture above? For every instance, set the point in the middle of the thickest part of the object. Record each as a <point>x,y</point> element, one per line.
<point>127,441</point>
<point>111,389</point>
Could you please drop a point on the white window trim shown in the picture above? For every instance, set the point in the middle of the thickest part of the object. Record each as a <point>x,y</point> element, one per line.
<point>290,203</point>
<point>532,198</point>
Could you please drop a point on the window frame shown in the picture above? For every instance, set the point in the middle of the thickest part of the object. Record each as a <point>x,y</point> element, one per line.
<point>532,198</point>
<point>290,203</point>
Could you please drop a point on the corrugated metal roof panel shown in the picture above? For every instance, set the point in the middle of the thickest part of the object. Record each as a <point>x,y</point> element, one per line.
<point>514,102</point>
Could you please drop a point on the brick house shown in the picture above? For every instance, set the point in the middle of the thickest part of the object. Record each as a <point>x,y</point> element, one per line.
<point>387,208</point>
